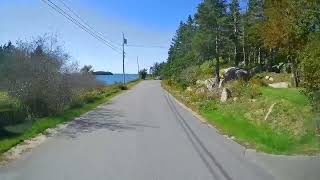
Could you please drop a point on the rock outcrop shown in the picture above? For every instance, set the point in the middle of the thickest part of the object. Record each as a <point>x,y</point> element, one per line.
<point>235,73</point>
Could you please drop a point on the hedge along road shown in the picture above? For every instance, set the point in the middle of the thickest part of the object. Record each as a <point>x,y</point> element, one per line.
<point>142,134</point>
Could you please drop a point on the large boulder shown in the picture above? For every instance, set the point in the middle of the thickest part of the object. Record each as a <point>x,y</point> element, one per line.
<point>235,73</point>
<point>255,70</point>
<point>211,84</point>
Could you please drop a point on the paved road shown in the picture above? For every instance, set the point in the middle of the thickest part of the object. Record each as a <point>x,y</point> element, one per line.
<point>140,135</point>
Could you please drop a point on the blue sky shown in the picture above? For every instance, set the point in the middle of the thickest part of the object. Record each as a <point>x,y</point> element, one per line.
<point>144,22</point>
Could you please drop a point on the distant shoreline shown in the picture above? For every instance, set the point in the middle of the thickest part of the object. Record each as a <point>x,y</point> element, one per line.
<point>112,74</point>
<point>102,73</point>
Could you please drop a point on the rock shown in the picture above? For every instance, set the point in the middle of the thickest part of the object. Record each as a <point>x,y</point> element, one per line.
<point>235,99</point>
<point>269,78</point>
<point>221,83</point>
<point>256,70</point>
<point>280,85</point>
<point>242,74</point>
<point>230,73</point>
<point>225,95</point>
<point>200,90</point>
<point>275,69</point>
<point>211,84</point>
<point>234,73</point>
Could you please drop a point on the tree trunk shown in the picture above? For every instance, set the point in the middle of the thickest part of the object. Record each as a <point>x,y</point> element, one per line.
<point>244,49</point>
<point>259,56</point>
<point>217,67</point>
<point>294,71</point>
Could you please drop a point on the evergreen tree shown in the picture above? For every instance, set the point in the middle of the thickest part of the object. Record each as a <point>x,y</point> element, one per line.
<point>235,13</point>
<point>211,18</point>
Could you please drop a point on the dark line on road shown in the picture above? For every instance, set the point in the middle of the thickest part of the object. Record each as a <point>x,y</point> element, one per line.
<point>187,128</point>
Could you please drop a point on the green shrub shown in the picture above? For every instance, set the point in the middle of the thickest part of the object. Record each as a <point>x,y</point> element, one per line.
<point>258,80</point>
<point>189,76</point>
<point>12,117</point>
<point>244,89</point>
<point>77,101</point>
<point>206,69</point>
<point>208,105</point>
<point>91,97</point>
<point>122,87</point>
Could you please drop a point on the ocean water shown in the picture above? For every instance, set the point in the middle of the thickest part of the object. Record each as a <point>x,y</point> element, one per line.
<point>116,78</point>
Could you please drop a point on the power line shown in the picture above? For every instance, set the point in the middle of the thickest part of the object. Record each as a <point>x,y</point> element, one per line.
<point>74,21</point>
<point>85,22</point>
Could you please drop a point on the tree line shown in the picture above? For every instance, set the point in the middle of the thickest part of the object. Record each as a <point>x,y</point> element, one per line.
<point>268,35</point>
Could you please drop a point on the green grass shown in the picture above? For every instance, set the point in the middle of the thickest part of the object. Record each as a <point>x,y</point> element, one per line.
<point>291,94</point>
<point>289,128</point>
<point>7,141</point>
<point>6,102</point>
<point>260,137</point>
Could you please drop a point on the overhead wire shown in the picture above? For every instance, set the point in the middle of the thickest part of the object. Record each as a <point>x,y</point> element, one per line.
<point>80,25</point>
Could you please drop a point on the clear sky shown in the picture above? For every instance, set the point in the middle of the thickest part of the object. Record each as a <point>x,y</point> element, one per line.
<point>144,22</point>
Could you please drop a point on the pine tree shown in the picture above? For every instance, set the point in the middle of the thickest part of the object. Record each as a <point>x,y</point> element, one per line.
<point>253,20</point>
<point>235,14</point>
<point>211,18</point>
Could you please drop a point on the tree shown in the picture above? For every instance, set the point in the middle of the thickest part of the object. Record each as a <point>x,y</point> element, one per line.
<point>288,25</point>
<point>211,18</point>
<point>254,18</point>
<point>235,13</point>
<point>86,69</point>
<point>143,73</point>
<point>310,65</point>
<point>179,55</point>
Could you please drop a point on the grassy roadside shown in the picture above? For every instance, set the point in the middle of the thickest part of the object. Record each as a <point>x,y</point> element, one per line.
<point>41,124</point>
<point>288,129</point>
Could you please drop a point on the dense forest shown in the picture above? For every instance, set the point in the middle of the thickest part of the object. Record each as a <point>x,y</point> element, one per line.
<point>251,70</point>
<point>265,35</point>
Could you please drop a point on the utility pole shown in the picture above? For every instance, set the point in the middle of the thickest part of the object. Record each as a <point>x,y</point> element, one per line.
<point>123,56</point>
<point>138,64</point>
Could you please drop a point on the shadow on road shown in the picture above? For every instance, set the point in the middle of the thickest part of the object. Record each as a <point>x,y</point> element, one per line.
<point>102,118</point>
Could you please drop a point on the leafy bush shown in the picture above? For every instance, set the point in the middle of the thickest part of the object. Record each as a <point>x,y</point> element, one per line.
<point>12,116</point>
<point>206,69</point>
<point>42,78</point>
<point>91,97</point>
<point>122,87</point>
<point>189,76</point>
<point>258,80</point>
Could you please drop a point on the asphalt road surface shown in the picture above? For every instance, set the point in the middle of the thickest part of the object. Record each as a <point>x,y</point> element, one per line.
<point>142,134</point>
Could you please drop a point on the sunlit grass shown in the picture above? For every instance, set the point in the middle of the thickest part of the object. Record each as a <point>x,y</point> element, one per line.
<point>289,128</point>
